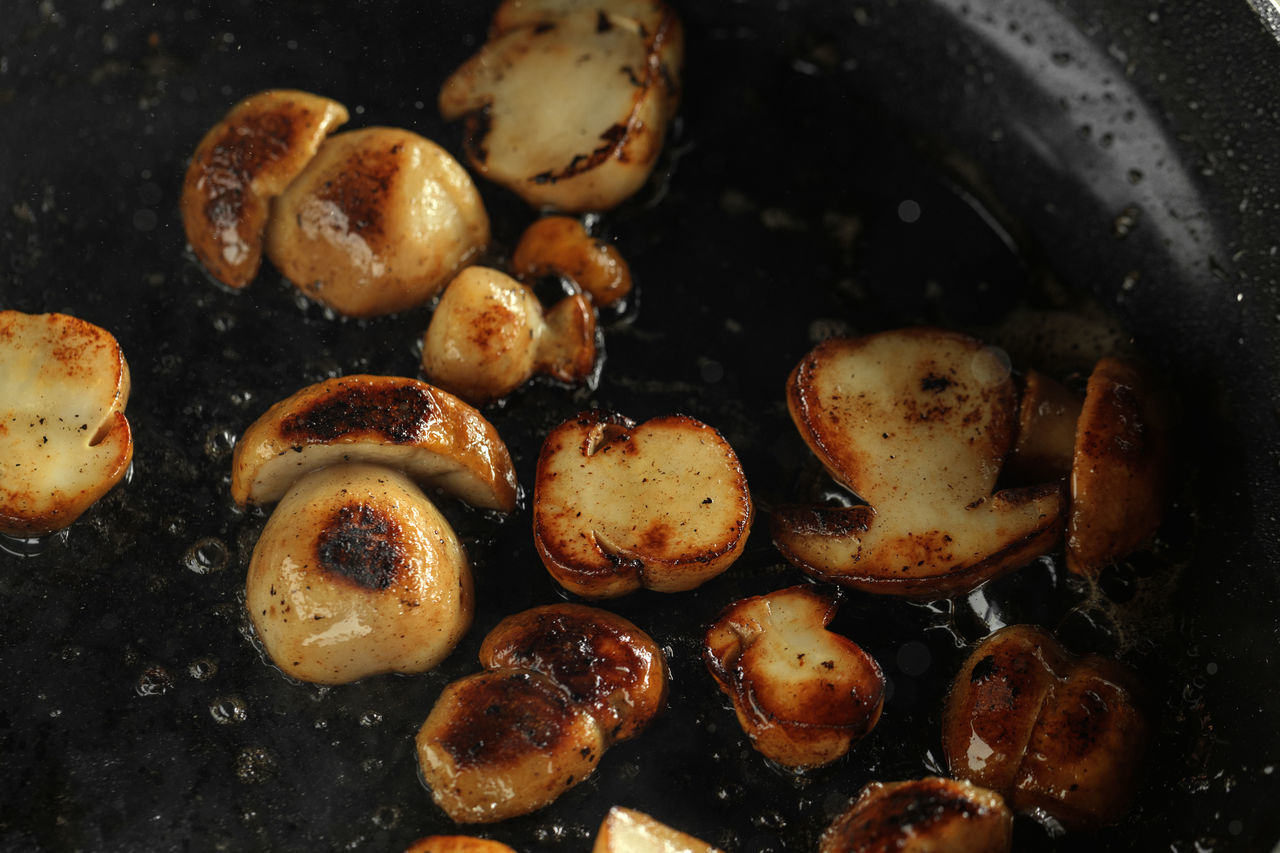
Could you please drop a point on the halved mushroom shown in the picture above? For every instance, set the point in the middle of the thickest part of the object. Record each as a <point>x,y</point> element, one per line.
<point>1121,466</point>
<point>457,844</point>
<point>356,574</point>
<point>1047,730</point>
<point>489,334</point>
<point>619,507</point>
<point>440,441</point>
<point>378,222</point>
<point>922,816</point>
<point>560,245</point>
<point>917,423</point>
<point>803,694</point>
<point>240,165</point>
<point>561,684</point>
<point>567,103</point>
<point>629,831</point>
<point>64,439</point>
<point>1045,442</point>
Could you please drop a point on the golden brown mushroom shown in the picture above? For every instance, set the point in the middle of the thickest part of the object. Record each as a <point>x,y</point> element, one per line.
<point>560,245</point>
<point>64,439</point>
<point>922,816</point>
<point>457,844</point>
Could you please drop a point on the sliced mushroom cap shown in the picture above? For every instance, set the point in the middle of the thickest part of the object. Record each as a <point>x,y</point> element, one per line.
<point>64,439</point>
<point>1047,730</point>
<point>803,694</point>
<point>560,245</point>
<point>489,335</point>
<point>917,422</point>
<point>440,441</point>
<point>242,163</point>
<point>1120,471</point>
<point>457,844</point>
<point>629,831</point>
<point>511,739</point>
<point>567,104</point>
<point>378,222</point>
<point>619,507</point>
<point>922,816</point>
<point>604,662</point>
<point>356,574</point>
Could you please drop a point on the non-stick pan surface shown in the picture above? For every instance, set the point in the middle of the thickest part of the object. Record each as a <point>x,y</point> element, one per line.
<point>1053,155</point>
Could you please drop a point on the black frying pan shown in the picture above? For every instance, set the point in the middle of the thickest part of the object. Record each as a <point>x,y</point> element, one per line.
<point>1057,153</point>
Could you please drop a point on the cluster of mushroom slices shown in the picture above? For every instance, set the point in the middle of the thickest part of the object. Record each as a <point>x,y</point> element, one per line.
<point>559,685</point>
<point>804,695</point>
<point>64,438</point>
<point>1052,733</point>
<point>568,101</point>
<point>356,572</point>
<point>919,422</point>
<point>366,222</point>
<point>922,816</point>
<point>618,507</point>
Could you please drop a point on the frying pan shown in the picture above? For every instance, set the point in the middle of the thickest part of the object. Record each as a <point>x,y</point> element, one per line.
<point>1111,159</point>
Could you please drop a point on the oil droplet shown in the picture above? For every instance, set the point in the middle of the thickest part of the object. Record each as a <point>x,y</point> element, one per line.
<point>219,442</point>
<point>1125,222</point>
<point>386,817</point>
<point>206,556</point>
<point>202,669</point>
<point>229,710</point>
<point>369,719</point>
<point>154,681</point>
<point>255,765</point>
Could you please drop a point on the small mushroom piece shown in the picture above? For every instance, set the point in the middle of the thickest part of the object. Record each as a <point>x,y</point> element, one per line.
<point>1121,466</point>
<point>1045,443</point>
<point>240,165</point>
<point>619,507</point>
<point>378,222</point>
<point>561,684</point>
<point>1047,730</point>
<point>560,245</point>
<point>917,423</point>
<point>567,104</point>
<point>64,439</point>
<point>629,831</point>
<point>457,844</point>
<point>489,335</point>
<point>356,574</point>
<point>922,816</point>
<point>803,694</point>
<point>437,439</point>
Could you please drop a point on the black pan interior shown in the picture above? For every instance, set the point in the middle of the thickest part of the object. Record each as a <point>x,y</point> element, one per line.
<point>1058,155</point>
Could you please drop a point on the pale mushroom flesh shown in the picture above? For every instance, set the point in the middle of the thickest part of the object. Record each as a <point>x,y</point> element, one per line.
<point>626,830</point>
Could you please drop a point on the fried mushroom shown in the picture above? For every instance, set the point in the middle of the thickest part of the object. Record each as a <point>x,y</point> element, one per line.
<point>561,684</point>
<point>356,574</point>
<point>457,844</point>
<point>64,438</point>
<point>1047,730</point>
<point>489,334</point>
<point>916,422</point>
<point>401,423</point>
<point>378,222</point>
<point>804,695</point>
<point>560,245</point>
<point>922,816</point>
<point>567,103</point>
<point>626,830</point>
<point>240,165</point>
<point>619,507</point>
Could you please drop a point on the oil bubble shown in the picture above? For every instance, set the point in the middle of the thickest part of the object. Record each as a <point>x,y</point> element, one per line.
<point>229,710</point>
<point>155,680</point>
<point>386,817</point>
<point>202,669</point>
<point>206,556</point>
<point>256,765</point>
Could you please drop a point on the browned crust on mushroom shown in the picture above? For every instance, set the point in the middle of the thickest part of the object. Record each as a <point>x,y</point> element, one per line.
<point>560,245</point>
<point>921,815</point>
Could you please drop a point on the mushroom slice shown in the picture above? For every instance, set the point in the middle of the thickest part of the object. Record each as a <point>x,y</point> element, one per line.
<point>803,694</point>
<point>604,662</point>
<point>629,831</point>
<point>1045,729</point>
<point>917,422</point>
<point>64,439</point>
<point>619,507</point>
<point>378,222</point>
<point>1120,470</point>
<point>457,844</point>
<point>560,245</point>
<point>567,103</point>
<point>561,684</point>
<point>922,816</point>
<point>356,574</point>
<point>434,437</point>
<point>489,335</point>
<point>243,162</point>
<point>1045,443</point>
